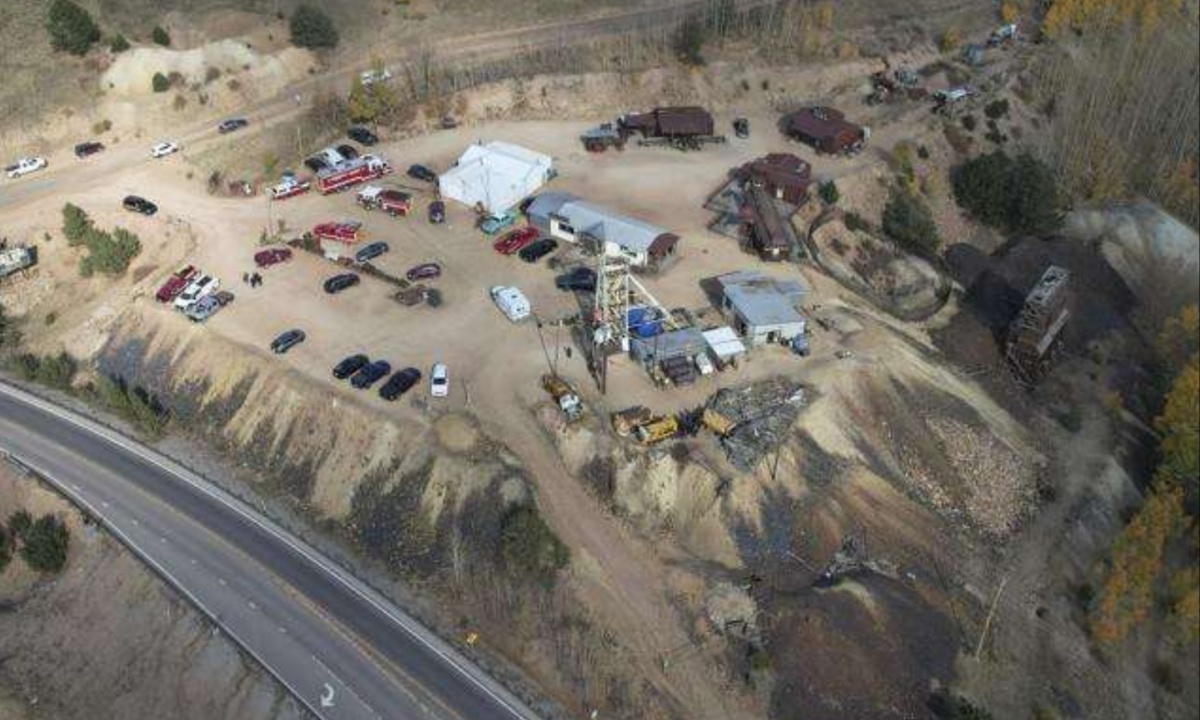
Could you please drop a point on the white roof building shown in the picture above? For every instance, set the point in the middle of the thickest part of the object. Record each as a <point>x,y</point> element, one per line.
<point>496,176</point>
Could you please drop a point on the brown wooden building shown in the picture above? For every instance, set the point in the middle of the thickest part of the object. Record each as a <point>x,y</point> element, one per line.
<point>825,129</point>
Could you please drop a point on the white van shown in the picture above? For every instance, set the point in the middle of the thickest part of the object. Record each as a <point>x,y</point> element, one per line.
<point>511,301</point>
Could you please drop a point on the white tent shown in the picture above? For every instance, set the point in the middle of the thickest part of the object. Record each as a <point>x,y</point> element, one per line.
<point>497,176</point>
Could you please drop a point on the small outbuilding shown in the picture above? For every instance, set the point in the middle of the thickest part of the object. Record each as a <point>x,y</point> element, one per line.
<point>825,129</point>
<point>760,308</point>
<point>724,344</point>
<point>496,176</point>
<point>566,217</point>
<point>684,343</point>
<point>783,176</point>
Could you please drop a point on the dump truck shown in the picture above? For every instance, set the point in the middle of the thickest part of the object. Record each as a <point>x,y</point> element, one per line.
<point>563,394</point>
<point>16,259</point>
<point>626,422</point>
<point>657,430</point>
<point>348,173</point>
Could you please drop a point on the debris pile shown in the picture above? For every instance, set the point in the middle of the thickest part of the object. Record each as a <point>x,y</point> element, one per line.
<point>753,421</point>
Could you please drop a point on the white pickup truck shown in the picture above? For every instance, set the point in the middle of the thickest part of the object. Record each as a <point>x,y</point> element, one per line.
<point>24,166</point>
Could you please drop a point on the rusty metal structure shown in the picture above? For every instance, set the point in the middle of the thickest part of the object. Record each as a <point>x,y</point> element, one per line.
<point>1035,336</point>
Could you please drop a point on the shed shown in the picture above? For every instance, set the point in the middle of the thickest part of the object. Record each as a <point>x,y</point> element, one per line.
<point>762,309</point>
<point>825,129</point>
<point>566,217</point>
<point>685,343</point>
<point>724,344</point>
<point>496,176</point>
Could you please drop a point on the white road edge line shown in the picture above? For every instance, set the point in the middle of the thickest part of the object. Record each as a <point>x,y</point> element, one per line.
<point>410,625</point>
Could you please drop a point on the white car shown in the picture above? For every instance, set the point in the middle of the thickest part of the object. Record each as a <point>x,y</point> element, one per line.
<point>200,287</point>
<point>511,301</point>
<point>24,166</point>
<point>370,77</point>
<point>165,148</point>
<point>439,381</point>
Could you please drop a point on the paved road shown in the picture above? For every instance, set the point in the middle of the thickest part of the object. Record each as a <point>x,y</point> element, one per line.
<point>343,650</point>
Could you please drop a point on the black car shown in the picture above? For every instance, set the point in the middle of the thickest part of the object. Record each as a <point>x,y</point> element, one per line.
<point>287,341</point>
<point>400,383</point>
<point>84,149</point>
<point>420,172</point>
<point>136,204</point>
<point>437,212</point>
<point>370,374</point>
<point>536,251</point>
<point>338,283</point>
<point>350,365</point>
<point>232,124</point>
<point>741,127</point>
<point>370,252</point>
<point>361,135</point>
<point>581,278</point>
<point>347,151</point>
<point>316,164</point>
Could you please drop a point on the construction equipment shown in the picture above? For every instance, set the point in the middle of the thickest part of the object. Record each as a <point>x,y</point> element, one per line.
<point>564,395</point>
<point>626,422</point>
<point>657,430</point>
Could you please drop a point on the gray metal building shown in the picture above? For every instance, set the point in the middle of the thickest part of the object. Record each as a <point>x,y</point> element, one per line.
<point>566,217</point>
<point>760,308</point>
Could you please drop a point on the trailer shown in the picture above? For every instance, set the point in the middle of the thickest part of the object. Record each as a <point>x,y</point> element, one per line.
<point>290,187</point>
<point>16,259</point>
<point>392,202</point>
<point>349,173</point>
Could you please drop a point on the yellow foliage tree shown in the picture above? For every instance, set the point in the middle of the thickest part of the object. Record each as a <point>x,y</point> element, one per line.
<point>1179,338</point>
<point>1009,12</point>
<point>1127,595</point>
<point>950,39</point>
<point>1185,605</point>
<point>1083,15</point>
<point>1179,424</point>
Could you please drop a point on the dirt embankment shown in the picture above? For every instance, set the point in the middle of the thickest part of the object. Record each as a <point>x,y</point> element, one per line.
<point>107,638</point>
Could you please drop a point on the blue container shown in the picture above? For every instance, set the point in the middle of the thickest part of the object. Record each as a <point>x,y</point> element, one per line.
<point>644,322</point>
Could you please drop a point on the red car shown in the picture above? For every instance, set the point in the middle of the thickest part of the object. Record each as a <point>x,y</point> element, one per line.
<point>272,256</point>
<point>514,240</point>
<point>175,284</point>
<point>426,271</point>
<point>347,231</point>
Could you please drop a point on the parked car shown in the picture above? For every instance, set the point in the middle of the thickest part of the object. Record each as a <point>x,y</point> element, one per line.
<point>424,271</point>
<point>370,77</point>
<point>286,341</point>
<point>363,136</point>
<point>224,297</point>
<point>581,278</point>
<point>511,301</point>
<point>370,251</point>
<point>24,166</point>
<point>203,309</point>
<point>232,124</point>
<point>316,164</point>
<point>84,149</point>
<point>422,173</point>
<point>200,287</point>
<point>514,240</point>
<point>370,374</point>
<point>338,283</point>
<point>499,222</point>
<point>538,250</point>
<point>400,383</point>
<point>437,212</point>
<point>350,365</point>
<point>348,151</point>
<point>164,148</point>
<point>134,203</point>
<point>272,256</point>
<point>439,380</point>
<point>175,284</point>
<point>741,127</point>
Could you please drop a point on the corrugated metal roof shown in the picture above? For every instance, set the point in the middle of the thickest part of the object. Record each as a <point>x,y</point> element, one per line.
<point>599,222</point>
<point>761,300</point>
<point>724,342</point>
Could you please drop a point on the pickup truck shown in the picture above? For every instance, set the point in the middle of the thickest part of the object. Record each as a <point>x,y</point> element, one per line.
<point>24,166</point>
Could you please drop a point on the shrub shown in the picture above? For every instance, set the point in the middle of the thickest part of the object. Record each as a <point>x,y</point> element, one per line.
<point>689,41</point>
<point>5,549</point>
<point>101,127</point>
<point>311,28</point>
<point>45,546</point>
<point>9,335</point>
<point>132,405</point>
<point>211,74</point>
<point>109,253</point>
<point>949,40</point>
<point>969,123</point>
<point>71,28</point>
<point>949,706</point>
<point>528,544</point>
<point>76,223</point>
<point>856,222</point>
<point>19,523</point>
<point>160,36</point>
<point>55,371</point>
<point>907,220</point>
<point>829,192</point>
<point>996,109</point>
<point>1017,195</point>
<point>160,83</point>
<point>118,44</point>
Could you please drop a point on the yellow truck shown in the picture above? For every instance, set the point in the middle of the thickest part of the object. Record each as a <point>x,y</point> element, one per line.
<point>625,422</point>
<point>657,430</point>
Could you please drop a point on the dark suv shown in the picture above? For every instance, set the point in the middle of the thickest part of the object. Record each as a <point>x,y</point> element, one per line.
<point>136,204</point>
<point>338,283</point>
<point>370,252</point>
<point>400,383</point>
<point>420,172</point>
<point>85,149</point>
<point>370,374</point>
<point>232,124</point>
<point>286,341</point>
<point>350,365</point>
<point>360,134</point>
<point>581,278</point>
<point>538,250</point>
